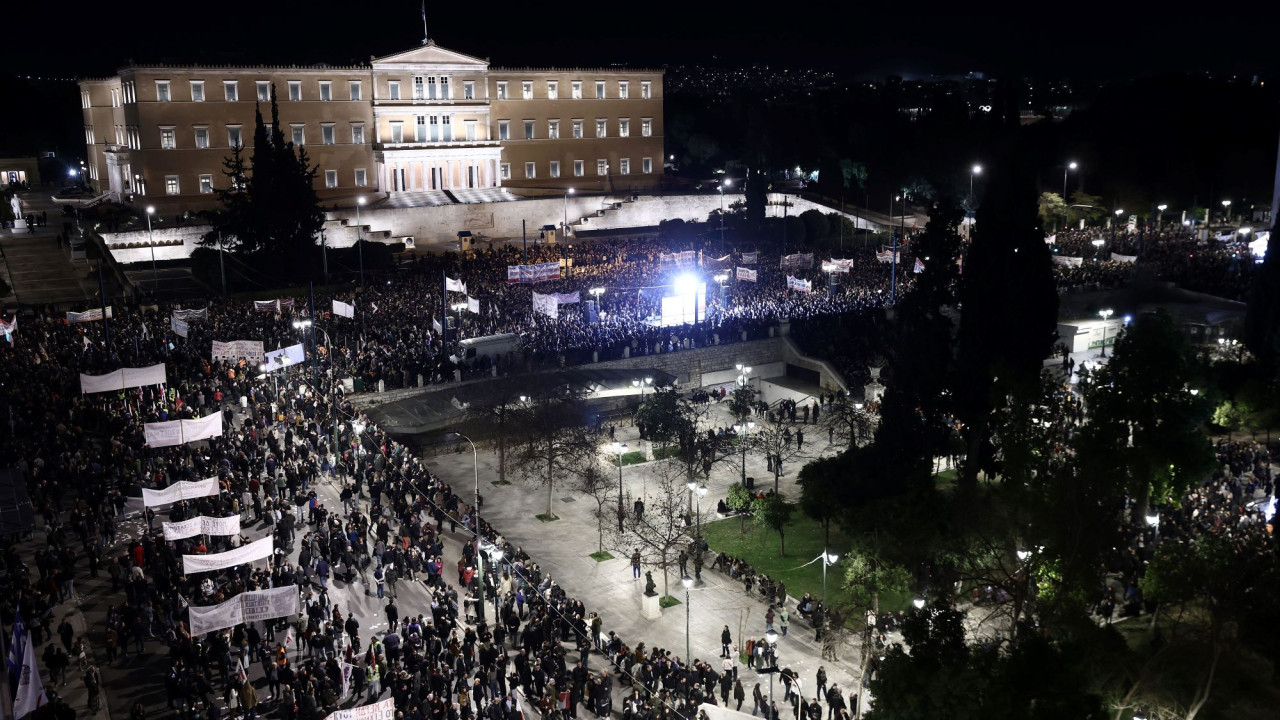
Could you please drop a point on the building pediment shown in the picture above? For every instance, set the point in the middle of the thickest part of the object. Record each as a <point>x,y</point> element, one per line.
<point>429,54</point>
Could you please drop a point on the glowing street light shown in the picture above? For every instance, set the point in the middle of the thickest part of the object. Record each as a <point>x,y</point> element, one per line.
<point>151,210</point>
<point>1070,166</point>
<point>1105,313</point>
<point>360,240</point>
<point>619,448</point>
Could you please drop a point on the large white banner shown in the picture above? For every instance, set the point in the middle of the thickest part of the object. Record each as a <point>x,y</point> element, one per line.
<point>749,258</point>
<point>178,325</point>
<point>248,606</point>
<point>384,710</point>
<point>285,357</point>
<point>1117,257</point>
<point>473,305</point>
<point>177,432</point>
<point>198,314</point>
<point>202,525</point>
<point>88,315</point>
<point>746,274</point>
<point>256,550</point>
<point>181,490</point>
<point>452,285</point>
<point>236,349</point>
<point>123,378</point>
<point>1068,261</point>
<point>533,273</point>
<point>799,261</point>
<point>272,305</point>
<point>567,298</point>
<point>342,309</point>
<point>546,304</point>
<point>799,285</point>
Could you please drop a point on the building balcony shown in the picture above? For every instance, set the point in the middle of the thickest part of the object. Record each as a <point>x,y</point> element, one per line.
<point>439,144</point>
<point>425,102</point>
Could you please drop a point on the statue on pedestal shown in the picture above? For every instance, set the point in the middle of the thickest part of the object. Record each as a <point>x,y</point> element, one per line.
<point>649,585</point>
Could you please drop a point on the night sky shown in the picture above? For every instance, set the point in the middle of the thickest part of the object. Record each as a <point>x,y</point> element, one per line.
<point>1079,40</point>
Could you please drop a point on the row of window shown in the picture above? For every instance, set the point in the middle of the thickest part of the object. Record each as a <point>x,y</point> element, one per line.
<point>576,126</point>
<point>235,135</point>
<point>575,90</point>
<point>231,91</point>
<point>204,183</point>
<point>579,168</point>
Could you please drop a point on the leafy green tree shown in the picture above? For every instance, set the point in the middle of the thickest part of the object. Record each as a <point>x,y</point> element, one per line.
<point>1010,310</point>
<point>1052,208</point>
<point>666,416</point>
<point>773,512</point>
<point>269,209</point>
<point>742,401</point>
<point>1085,206</point>
<point>823,484</point>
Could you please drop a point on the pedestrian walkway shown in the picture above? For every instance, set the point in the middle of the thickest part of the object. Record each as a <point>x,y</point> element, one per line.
<point>40,272</point>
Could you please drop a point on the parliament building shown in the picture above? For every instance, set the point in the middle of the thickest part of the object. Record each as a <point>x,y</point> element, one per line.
<point>424,126</point>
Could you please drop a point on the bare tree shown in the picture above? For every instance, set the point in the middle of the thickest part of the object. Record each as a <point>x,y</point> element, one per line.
<point>848,420</point>
<point>596,482</point>
<point>555,440</point>
<point>660,532</point>
<point>778,441</point>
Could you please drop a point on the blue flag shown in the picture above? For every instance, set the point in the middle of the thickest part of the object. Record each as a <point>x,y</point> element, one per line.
<point>17,646</point>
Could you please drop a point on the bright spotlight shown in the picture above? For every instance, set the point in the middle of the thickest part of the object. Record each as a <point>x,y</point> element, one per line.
<point>686,284</point>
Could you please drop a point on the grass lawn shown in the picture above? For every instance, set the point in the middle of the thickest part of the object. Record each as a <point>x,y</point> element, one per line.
<point>637,457</point>
<point>759,547</point>
<point>601,556</point>
<point>547,518</point>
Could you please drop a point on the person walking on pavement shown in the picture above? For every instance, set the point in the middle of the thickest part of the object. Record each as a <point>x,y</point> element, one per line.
<point>635,564</point>
<point>393,616</point>
<point>725,641</point>
<point>380,578</point>
<point>783,617</point>
<point>739,694</point>
<point>821,686</point>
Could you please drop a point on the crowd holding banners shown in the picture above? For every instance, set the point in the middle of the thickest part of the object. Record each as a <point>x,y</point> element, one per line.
<point>122,379</point>
<point>201,525</point>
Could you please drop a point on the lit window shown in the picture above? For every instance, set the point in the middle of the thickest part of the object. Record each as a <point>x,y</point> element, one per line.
<point>397,132</point>
<point>471,130</point>
<point>299,135</point>
<point>553,90</point>
<point>528,129</point>
<point>526,90</point>
<point>577,129</point>
<point>162,91</point>
<point>505,169</point>
<point>326,90</point>
<point>353,87</point>
<point>529,170</point>
<point>602,167</point>
<point>419,89</point>
<point>646,126</point>
<point>264,90</point>
<point>444,89</point>
<point>357,134</point>
<point>468,91</point>
<point>624,166</point>
<point>504,130</point>
<point>624,127</point>
<point>599,89</point>
<point>553,129</point>
<point>206,184</point>
<point>646,165</point>
<point>576,89</point>
<point>168,139</point>
<point>234,137</point>
<point>197,91</point>
<point>555,169</point>
<point>171,185</point>
<point>327,134</point>
<point>579,168</point>
<point>230,91</point>
<point>331,178</point>
<point>502,91</point>
<point>420,128</point>
<point>295,90</point>
<point>600,128</point>
<point>202,138</point>
<point>622,91</point>
<point>362,178</point>
<point>645,90</point>
<point>393,90</point>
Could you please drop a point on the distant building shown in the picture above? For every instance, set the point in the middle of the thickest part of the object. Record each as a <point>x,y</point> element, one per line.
<point>426,121</point>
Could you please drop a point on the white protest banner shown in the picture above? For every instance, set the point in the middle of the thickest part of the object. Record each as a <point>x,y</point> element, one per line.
<point>88,315</point>
<point>1068,261</point>
<point>1051,239</point>
<point>797,262</point>
<point>746,274</point>
<point>178,325</point>
<point>435,325</point>
<point>454,285</point>
<point>190,315</point>
<point>285,357</point>
<point>257,550</point>
<point>886,256</point>
<point>749,258</point>
<point>7,328</point>
<point>248,606</point>
<point>163,434</point>
<point>235,349</point>
<point>566,298</point>
<point>342,309</point>
<point>533,273</point>
<point>123,378</point>
<point>799,285</point>
<point>1117,257</point>
<point>202,525</point>
<point>546,304</point>
<point>181,490</point>
<point>209,426</point>
<point>685,257</point>
<point>384,710</point>
<point>473,305</point>
<point>346,668</point>
<point>919,266</point>
<point>272,305</point>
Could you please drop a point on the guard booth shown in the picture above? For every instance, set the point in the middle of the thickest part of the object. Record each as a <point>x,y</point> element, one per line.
<point>549,234</point>
<point>465,240</point>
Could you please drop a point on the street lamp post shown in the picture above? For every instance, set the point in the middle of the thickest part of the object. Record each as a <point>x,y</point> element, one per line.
<point>744,431</point>
<point>564,229</point>
<point>828,558</point>
<point>688,583</point>
<point>1104,314</point>
<point>475,519</point>
<point>1226,211</point>
<point>1153,519</point>
<point>620,448</point>
<point>723,185</point>
<point>1065,169</point>
<point>360,238</point>
<point>698,491</point>
<point>976,170</point>
<point>151,210</point>
<point>1160,217</point>
<point>1119,212</point>
<point>771,638</point>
